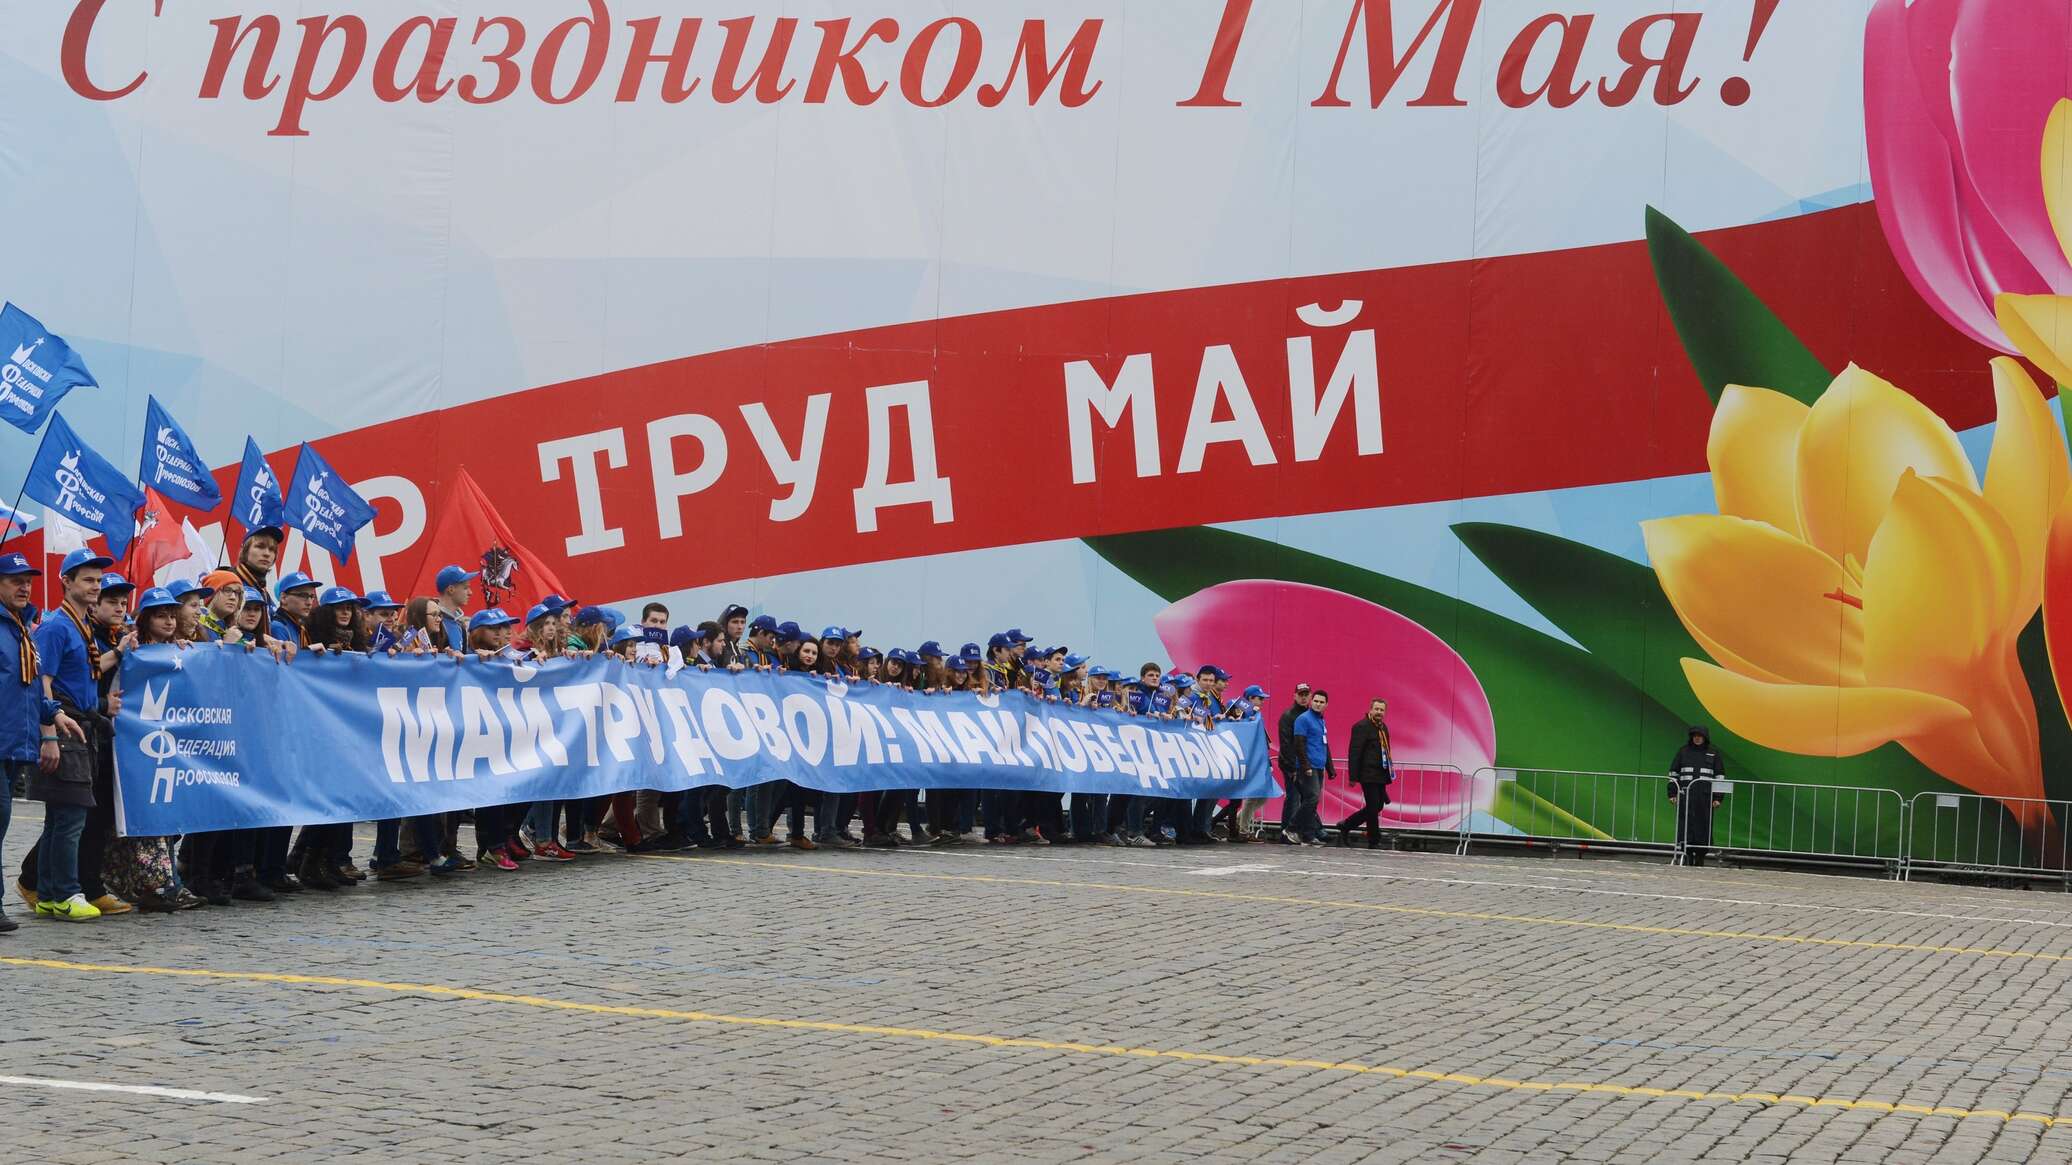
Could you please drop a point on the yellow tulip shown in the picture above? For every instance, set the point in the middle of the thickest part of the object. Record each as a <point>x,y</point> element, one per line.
<point>1858,587</point>
<point>2041,325</point>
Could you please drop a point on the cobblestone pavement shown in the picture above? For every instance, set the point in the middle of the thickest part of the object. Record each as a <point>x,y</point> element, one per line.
<point>1230,1004</point>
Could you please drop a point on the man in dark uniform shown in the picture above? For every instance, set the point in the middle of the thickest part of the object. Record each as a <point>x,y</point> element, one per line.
<point>1691,775</point>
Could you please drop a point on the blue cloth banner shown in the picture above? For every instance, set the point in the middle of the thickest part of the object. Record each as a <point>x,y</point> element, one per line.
<point>215,737</point>
<point>257,501</point>
<point>323,507</point>
<point>37,369</point>
<point>79,484</point>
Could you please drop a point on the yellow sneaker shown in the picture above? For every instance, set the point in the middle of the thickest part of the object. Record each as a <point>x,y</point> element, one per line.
<point>110,904</point>
<point>73,909</point>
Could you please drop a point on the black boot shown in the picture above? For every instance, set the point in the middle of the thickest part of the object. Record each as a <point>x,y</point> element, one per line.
<point>246,888</point>
<point>1345,837</point>
<point>313,874</point>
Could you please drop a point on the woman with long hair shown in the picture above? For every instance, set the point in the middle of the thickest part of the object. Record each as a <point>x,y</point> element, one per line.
<point>322,854</point>
<point>141,869</point>
<point>489,636</point>
<point>425,626</point>
<point>543,628</point>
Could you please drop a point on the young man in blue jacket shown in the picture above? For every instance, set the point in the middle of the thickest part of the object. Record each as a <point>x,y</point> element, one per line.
<point>69,658</point>
<point>1313,756</point>
<point>30,722</point>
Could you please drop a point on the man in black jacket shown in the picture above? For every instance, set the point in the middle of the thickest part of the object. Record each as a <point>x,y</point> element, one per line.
<point>1691,775</point>
<point>1370,763</point>
<point>1296,807</point>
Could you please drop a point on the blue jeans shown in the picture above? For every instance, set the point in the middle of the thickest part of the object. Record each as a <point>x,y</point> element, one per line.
<point>57,854</point>
<point>8,769</point>
<point>1303,796</point>
<point>425,831</point>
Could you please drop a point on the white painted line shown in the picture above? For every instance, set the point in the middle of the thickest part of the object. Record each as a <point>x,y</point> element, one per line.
<point>1811,907</point>
<point>135,1090</point>
<point>1226,871</point>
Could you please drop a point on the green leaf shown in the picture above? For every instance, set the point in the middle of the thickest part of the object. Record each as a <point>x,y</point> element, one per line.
<point>1730,335</point>
<point>1520,807</point>
<point>2053,733</point>
<point>1554,705</point>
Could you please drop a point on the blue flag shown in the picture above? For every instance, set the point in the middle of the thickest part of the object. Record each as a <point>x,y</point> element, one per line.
<point>323,507</point>
<point>257,501</point>
<point>36,370</point>
<point>79,485</point>
<point>171,466</point>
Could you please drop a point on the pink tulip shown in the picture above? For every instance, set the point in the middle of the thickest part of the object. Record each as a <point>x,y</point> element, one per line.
<point>1279,634</point>
<point>1956,94</point>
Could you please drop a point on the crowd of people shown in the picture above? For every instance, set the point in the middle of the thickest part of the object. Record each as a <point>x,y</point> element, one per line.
<point>62,691</point>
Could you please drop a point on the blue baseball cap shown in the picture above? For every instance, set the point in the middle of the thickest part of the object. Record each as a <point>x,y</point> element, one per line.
<point>763,623</point>
<point>153,599</point>
<point>930,650</point>
<point>252,595</point>
<point>834,633</point>
<point>1213,670</point>
<point>493,617</point>
<point>959,664</point>
<point>1074,662</point>
<point>272,531</point>
<point>115,584</point>
<point>584,617</point>
<point>1001,640</point>
<point>333,596</point>
<point>627,635</point>
<point>972,651</point>
<point>539,611</point>
<point>449,575</point>
<point>900,654</point>
<point>1255,692</point>
<point>294,580</point>
<point>84,556</point>
<point>869,653</point>
<point>183,587</point>
<point>789,632</point>
<point>15,564</point>
<point>380,601</point>
<point>1015,634</point>
<point>559,602</point>
<point>1180,680</point>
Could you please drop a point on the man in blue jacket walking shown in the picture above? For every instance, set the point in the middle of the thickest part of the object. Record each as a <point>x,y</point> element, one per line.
<point>1313,755</point>
<point>30,722</point>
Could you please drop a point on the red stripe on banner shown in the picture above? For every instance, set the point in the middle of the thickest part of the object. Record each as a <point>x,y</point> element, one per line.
<point>1495,376</point>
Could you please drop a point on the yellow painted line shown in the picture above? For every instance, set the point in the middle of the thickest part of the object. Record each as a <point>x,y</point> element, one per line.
<point>1383,908</point>
<point>470,994</point>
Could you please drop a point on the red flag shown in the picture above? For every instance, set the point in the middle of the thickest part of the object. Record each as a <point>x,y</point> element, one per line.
<point>470,533</point>
<point>158,543</point>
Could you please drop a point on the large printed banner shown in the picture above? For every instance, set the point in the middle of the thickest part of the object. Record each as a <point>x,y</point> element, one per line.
<point>215,738</point>
<point>1562,374</point>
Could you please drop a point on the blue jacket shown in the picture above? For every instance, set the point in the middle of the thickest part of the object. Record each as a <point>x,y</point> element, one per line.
<point>1315,741</point>
<point>20,704</point>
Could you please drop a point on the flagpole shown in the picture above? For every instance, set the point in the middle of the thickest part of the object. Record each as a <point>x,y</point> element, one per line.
<point>17,508</point>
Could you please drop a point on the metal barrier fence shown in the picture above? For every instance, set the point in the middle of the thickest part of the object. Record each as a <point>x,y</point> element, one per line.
<point>1562,807</point>
<point>1948,833</point>
<point>1431,800</point>
<point>1969,833</point>
<point>1837,824</point>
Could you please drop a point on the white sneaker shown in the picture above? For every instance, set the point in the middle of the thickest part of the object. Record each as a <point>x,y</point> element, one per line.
<point>1138,841</point>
